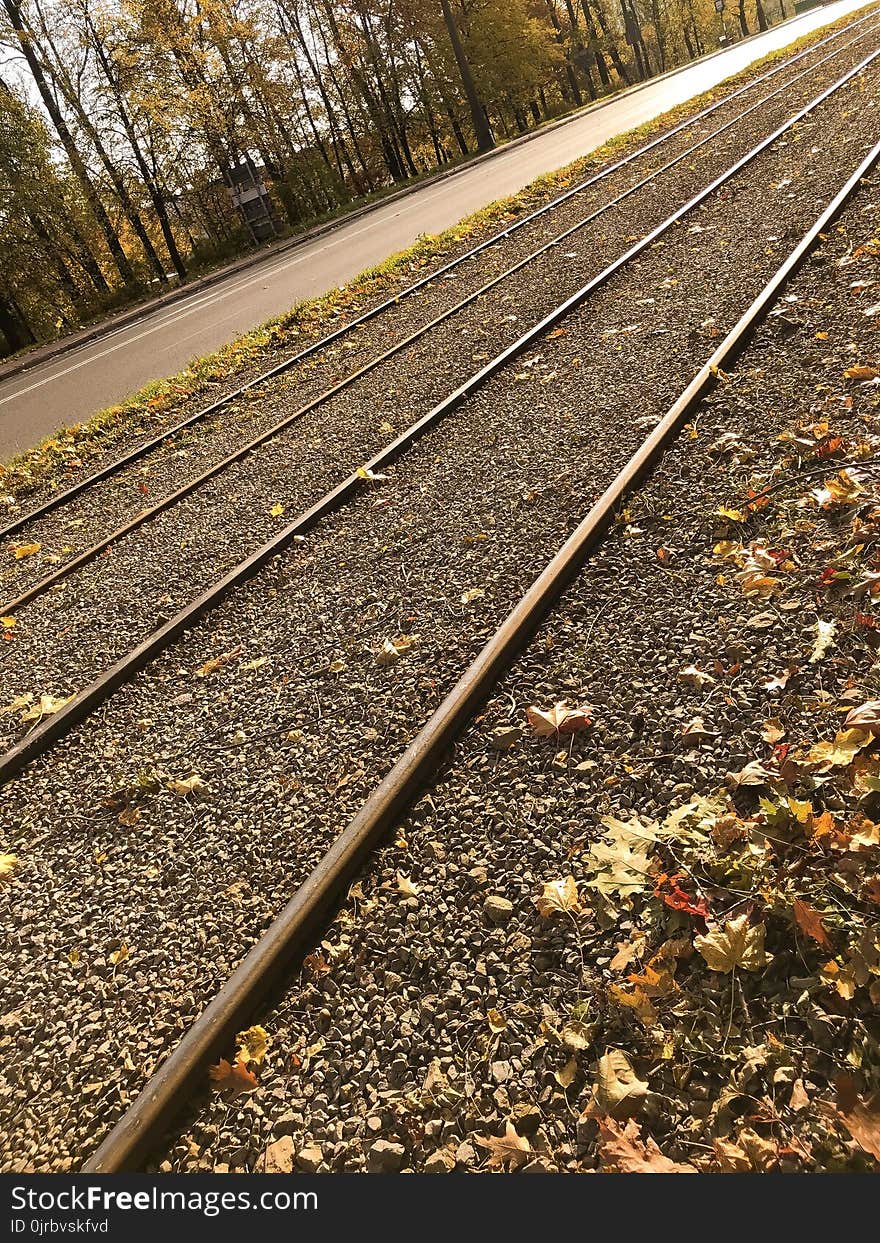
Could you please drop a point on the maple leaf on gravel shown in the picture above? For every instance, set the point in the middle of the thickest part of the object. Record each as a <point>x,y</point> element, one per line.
<point>623,1151</point>
<point>810,922</point>
<point>621,864</point>
<point>558,897</point>
<point>842,751</point>
<point>506,1151</point>
<point>861,1118</point>
<point>560,719</point>
<point>618,1091</point>
<point>737,944</point>
<point>232,1079</point>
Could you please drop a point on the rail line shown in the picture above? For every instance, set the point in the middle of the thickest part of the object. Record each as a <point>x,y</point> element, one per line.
<point>167,502</point>
<point>143,1126</point>
<point>138,452</point>
<point>47,732</point>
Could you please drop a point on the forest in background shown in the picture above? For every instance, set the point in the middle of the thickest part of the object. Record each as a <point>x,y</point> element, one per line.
<point>142,141</point>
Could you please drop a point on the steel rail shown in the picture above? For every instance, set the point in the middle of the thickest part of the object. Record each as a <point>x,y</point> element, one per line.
<point>49,730</point>
<point>140,451</point>
<point>167,502</point>
<point>145,1122</point>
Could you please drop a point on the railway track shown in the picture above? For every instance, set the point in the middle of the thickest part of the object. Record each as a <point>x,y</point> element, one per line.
<point>122,670</point>
<point>49,581</point>
<point>344,331</point>
<point>420,760</point>
<point>142,1128</point>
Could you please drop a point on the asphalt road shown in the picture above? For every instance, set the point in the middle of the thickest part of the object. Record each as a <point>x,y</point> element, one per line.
<point>72,386</point>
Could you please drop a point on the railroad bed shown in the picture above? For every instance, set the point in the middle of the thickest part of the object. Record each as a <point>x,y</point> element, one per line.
<point>439,1004</point>
<point>133,896</point>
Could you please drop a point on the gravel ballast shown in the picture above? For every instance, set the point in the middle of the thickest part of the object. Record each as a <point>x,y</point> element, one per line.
<point>71,634</point>
<point>424,1022</point>
<point>135,897</point>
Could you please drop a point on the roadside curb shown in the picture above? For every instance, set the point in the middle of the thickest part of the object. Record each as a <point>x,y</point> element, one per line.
<point>51,350</point>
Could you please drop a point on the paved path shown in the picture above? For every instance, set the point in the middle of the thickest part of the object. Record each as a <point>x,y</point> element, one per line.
<point>72,386</point>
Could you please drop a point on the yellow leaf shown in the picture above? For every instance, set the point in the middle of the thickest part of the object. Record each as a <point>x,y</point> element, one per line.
<point>252,1044</point>
<point>277,510</point>
<point>8,864</point>
<point>618,1091</point>
<point>20,551</point>
<point>48,706</point>
<point>737,944</point>
<point>496,1020</point>
<point>6,623</point>
<point>120,955</point>
<point>842,751</point>
<point>558,897</point>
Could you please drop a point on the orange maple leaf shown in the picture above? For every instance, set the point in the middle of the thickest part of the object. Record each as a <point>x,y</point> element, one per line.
<point>810,922</point>
<point>233,1078</point>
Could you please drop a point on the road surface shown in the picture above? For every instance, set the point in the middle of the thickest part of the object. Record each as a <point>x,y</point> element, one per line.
<point>73,385</point>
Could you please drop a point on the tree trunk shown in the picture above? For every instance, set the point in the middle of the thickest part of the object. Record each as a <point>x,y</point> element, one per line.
<point>482,129</point>
<point>17,333</point>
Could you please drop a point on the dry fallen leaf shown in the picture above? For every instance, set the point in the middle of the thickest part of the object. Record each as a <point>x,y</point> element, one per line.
<point>865,716</point>
<point>862,371</point>
<point>750,1153</point>
<point>48,706</point>
<point>560,719</point>
<point>737,944</point>
<point>773,731</point>
<point>232,1079</point>
<point>253,1044</point>
<point>810,922</point>
<point>8,864</point>
<point>20,551</point>
<point>393,649</point>
<point>618,1091</point>
<point>558,897</point>
<point>825,631</point>
<point>406,887</point>
<point>623,1151</point>
<point>190,785</point>
<point>507,1151</point>
<point>842,751</point>
<point>692,676</point>
<point>217,662</point>
<point>496,1020</point>
<point>861,1118</point>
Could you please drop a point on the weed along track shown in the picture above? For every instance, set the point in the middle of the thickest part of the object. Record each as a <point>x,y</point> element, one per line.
<point>208,774</point>
<point>166,570</point>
